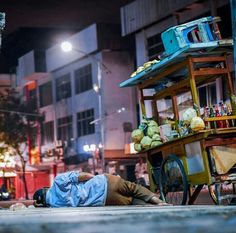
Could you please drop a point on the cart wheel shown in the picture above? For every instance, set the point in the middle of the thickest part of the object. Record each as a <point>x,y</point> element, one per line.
<point>173,181</point>
<point>221,193</point>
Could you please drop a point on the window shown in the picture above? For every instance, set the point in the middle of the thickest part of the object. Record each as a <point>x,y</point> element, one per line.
<point>31,97</point>
<point>83,122</point>
<point>83,79</point>
<point>154,46</point>
<point>65,128</point>
<point>63,87</point>
<point>207,95</point>
<point>47,132</point>
<point>45,94</point>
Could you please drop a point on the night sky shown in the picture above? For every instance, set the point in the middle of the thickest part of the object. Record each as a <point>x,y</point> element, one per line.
<point>59,13</point>
<point>31,16</point>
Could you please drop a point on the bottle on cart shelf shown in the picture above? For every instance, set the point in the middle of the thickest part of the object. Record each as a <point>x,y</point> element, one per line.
<point>224,113</point>
<point>221,108</point>
<point>219,124</point>
<point>212,114</point>
<point>206,115</point>
<point>229,113</point>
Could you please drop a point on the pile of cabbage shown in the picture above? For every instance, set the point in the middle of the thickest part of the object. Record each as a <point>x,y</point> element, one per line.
<point>147,136</point>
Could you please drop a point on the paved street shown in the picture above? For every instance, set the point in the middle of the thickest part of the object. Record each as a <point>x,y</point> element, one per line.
<point>130,219</point>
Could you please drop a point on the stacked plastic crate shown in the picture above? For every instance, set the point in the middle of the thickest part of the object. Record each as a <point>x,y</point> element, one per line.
<point>202,32</point>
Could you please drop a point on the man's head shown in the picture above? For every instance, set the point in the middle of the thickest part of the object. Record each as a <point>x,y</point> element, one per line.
<point>40,197</point>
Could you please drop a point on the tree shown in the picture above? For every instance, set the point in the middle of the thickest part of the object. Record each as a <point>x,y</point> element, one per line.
<point>17,123</point>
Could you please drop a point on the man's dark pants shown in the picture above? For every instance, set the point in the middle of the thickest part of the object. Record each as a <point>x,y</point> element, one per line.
<point>123,192</point>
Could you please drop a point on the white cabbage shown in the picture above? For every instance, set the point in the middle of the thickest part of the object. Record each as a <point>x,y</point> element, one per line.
<point>151,130</point>
<point>189,114</point>
<point>146,142</point>
<point>137,135</point>
<point>156,137</point>
<point>197,124</point>
<point>137,147</point>
<point>155,143</point>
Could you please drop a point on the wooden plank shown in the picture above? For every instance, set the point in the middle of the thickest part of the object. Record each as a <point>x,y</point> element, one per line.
<point>175,109</point>
<point>220,141</point>
<point>143,109</point>
<point>208,59</point>
<point>166,72</point>
<point>181,86</point>
<point>172,90</point>
<point>229,80</point>
<point>179,142</point>
<point>155,111</point>
<point>210,71</point>
<point>194,195</point>
<point>221,118</point>
<point>193,85</point>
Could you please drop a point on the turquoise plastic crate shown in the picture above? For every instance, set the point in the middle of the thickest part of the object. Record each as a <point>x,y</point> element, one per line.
<point>198,31</point>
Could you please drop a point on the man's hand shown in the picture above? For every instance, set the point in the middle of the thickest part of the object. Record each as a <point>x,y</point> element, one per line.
<point>84,176</point>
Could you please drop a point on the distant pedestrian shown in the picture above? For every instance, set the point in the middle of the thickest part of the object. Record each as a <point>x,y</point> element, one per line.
<point>74,189</point>
<point>141,173</point>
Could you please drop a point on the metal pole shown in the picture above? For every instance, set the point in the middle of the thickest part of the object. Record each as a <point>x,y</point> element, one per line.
<point>94,169</point>
<point>100,112</point>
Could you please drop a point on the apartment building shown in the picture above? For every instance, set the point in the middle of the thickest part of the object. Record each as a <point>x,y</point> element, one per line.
<point>87,117</point>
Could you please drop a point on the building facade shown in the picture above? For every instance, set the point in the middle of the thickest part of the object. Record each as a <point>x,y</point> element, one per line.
<point>78,93</point>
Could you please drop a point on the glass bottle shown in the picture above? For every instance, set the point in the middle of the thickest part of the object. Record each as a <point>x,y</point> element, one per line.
<point>211,115</point>
<point>229,113</point>
<point>219,124</point>
<point>206,115</point>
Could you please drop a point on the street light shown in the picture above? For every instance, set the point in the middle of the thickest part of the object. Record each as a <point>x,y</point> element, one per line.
<point>67,46</point>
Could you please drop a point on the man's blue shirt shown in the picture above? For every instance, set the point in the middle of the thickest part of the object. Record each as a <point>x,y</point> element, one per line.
<point>67,191</point>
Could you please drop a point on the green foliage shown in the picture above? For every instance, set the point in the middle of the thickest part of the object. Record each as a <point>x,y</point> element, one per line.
<point>16,123</point>
<point>17,126</point>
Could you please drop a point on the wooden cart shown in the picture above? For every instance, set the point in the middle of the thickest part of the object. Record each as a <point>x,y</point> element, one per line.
<point>181,167</point>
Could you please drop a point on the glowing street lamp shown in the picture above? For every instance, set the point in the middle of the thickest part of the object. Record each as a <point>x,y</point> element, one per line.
<point>66,46</point>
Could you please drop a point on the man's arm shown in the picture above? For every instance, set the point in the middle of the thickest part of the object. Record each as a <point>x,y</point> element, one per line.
<point>84,176</point>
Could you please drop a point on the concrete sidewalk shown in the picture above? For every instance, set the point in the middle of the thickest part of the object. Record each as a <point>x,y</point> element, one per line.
<point>130,219</point>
